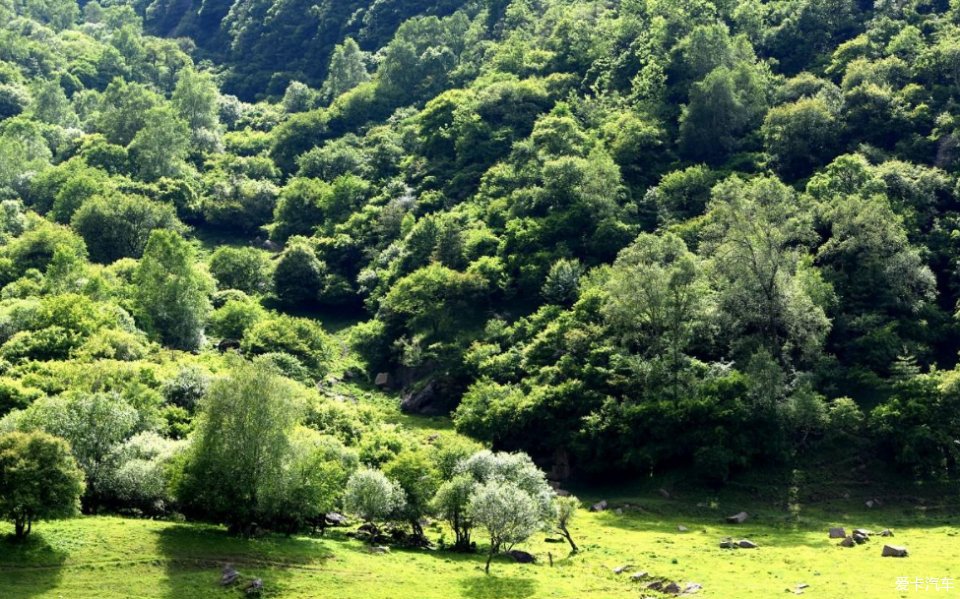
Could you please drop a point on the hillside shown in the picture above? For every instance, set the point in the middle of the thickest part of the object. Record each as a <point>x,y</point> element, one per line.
<point>428,263</point>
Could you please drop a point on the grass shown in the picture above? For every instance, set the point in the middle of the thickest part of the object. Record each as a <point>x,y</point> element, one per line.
<point>107,558</point>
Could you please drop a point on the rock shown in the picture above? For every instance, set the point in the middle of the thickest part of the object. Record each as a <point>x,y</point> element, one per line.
<point>226,345</point>
<point>599,506</point>
<point>664,493</point>
<point>862,532</point>
<point>228,575</point>
<point>672,589</point>
<point>872,503</point>
<point>562,493</point>
<point>254,587</point>
<point>433,398</point>
<point>521,557</point>
<point>894,551</point>
<point>379,550</point>
<point>682,528</point>
<point>622,569</point>
<point>837,533</point>
<point>382,380</point>
<point>847,542</point>
<point>727,544</point>
<point>639,576</point>
<point>618,511</point>
<point>747,544</point>
<point>802,586</point>
<point>656,585</point>
<point>886,532</point>
<point>738,518</point>
<point>550,540</point>
<point>691,588</point>
<point>859,539</point>
<point>336,519</point>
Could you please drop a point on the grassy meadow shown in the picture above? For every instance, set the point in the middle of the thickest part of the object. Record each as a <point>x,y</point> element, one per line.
<point>109,557</point>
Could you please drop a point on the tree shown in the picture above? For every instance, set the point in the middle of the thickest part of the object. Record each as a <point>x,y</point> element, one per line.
<point>563,282</point>
<point>241,447</point>
<point>566,508</point>
<point>39,480</point>
<point>298,277</point>
<point>196,100</point>
<point>800,136</point>
<point>161,145</point>
<point>172,293</point>
<point>298,97</point>
<point>118,226</point>
<point>347,70</point>
<point>373,497</point>
<point>508,514</point>
<point>450,503</point>
<point>246,269</point>
<point>415,474</point>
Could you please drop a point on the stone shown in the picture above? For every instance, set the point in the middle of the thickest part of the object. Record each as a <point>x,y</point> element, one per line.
<point>862,532</point>
<point>859,539</point>
<point>847,542</point>
<point>664,493</point>
<point>226,345</point>
<point>872,503</point>
<point>599,506</point>
<point>336,519</point>
<point>692,587</point>
<point>379,550</point>
<point>382,380</point>
<point>747,544</point>
<point>894,551</point>
<point>618,511</point>
<point>228,575</point>
<point>553,540</point>
<point>427,400</point>
<point>639,576</point>
<point>672,589</point>
<point>886,532</point>
<point>254,587</point>
<point>739,518</point>
<point>727,544</point>
<point>682,528</point>
<point>522,557</point>
<point>622,569</point>
<point>656,585</point>
<point>837,533</point>
<point>803,585</point>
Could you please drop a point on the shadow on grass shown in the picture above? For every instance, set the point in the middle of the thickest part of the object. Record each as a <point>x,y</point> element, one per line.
<point>496,587</point>
<point>29,568</point>
<point>195,555</point>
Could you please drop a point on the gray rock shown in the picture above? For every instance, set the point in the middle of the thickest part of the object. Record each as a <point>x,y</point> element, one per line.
<point>656,585</point>
<point>228,575</point>
<point>727,544</point>
<point>622,569</point>
<point>382,380</point>
<point>379,550</point>
<point>847,542</point>
<point>521,557</point>
<point>739,518</point>
<point>894,551</point>
<point>599,506</point>
<point>664,493</point>
<point>886,532</point>
<point>553,540</point>
<point>618,511</point>
<point>672,589</point>
<point>692,587</point>
<point>837,533</point>
<point>254,587</point>
<point>639,576</point>
<point>682,528</point>
<point>747,544</point>
<point>862,532</point>
<point>336,519</point>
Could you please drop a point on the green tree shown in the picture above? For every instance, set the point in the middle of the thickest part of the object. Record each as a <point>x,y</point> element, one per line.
<point>118,226</point>
<point>507,513</point>
<point>39,480</point>
<point>346,71</point>
<point>161,145</point>
<point>172,293</point>
<point>241,446</point>
<point>298,277</point>
<point>246,269</point>
<point>372,496</point>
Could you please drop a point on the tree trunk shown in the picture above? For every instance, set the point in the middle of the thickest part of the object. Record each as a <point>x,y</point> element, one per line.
<point>20,529</point>
<point>486,568</point>
<point>566,534</point>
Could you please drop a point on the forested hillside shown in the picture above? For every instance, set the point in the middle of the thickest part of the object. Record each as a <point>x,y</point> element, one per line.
<point>621,236</point>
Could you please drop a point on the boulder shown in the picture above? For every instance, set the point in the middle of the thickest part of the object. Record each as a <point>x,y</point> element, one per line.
<point>379,550</point>
<point>382,380</point>
<point>862,532</point>
<point>847,542</point>
<point>618,511</point>
<point>254,587</point>
<point>656,585</point>
<point>664,493</point>
<point>691,588</point>
<point>228,575</point>
<point>553,540</point>
<point>727,544</point>
<point>837,533</point>
<point>521,557</point>
<point>226,345</point>
<point>859,539</point>
<point>682,528</point>
<point>672,589</point>
<point>622,569</point>
<point>747,544</point>
<point>886,532</point>
<point>872,503</point>
<point>436,397</point>
<point>335,519</point>
<point>894,551</point>
<point>639,576</point>
<point>599,506</point>
<point>739,518</point>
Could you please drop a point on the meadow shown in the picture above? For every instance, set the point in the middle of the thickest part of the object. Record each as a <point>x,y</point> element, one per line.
<point>97,557</point>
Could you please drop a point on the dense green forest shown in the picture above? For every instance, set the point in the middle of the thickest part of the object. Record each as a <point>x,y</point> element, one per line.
<point>620,236</point>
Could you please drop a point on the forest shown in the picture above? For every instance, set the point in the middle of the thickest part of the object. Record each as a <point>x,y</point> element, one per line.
<point>427,263</point>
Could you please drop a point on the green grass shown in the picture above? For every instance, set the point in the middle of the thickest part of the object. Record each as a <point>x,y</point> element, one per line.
<point>106,558</point>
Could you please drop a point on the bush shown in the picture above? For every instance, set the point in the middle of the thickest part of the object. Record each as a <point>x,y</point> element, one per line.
<point>245,269</point>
